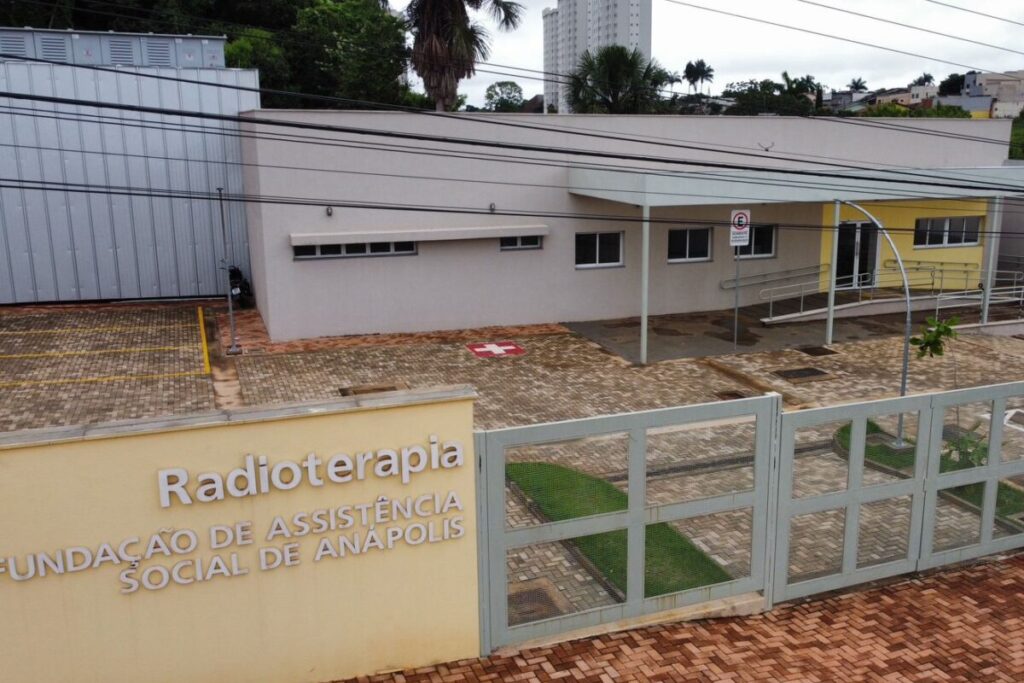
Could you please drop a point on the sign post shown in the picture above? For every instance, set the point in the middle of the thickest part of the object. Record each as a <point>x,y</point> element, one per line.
<point>739,236</point>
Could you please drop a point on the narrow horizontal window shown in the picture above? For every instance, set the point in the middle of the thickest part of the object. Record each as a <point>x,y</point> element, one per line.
<point>313,251</point>
<point>520,243</point>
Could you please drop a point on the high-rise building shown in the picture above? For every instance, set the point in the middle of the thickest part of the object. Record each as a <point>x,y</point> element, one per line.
<point>576,26</point>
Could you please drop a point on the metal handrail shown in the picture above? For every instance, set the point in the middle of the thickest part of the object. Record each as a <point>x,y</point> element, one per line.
<point>775,276</point>
<point>946,284</point>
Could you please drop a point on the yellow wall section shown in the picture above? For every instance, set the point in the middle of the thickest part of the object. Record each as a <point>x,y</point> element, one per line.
<point>900,217</point>
<point>408,606</point>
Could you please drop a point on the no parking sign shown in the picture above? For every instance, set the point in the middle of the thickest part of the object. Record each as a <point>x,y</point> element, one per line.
<point>739,228</point>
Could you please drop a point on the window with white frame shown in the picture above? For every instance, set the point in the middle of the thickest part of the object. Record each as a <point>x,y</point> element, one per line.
<point>523,243</point>
<point>598,249</point>
<point>761,245</point>
<point>315,251</point>
<point>954,231</point>
<point>689,244</point>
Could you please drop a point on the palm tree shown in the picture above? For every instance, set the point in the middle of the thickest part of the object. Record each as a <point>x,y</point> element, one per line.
<point>924,79</point>
<point>447,42</point>
<point>704,72</point>
<point>617,81</point>
<point>857,85</point>
<point>690,75</point>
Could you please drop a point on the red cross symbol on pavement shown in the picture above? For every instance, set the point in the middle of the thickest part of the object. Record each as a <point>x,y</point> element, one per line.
<point>495,349</point>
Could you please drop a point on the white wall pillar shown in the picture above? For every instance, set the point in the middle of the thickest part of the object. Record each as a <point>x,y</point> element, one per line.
<point>832,276</point>
<point>645,276</point>
<point>993,228</point>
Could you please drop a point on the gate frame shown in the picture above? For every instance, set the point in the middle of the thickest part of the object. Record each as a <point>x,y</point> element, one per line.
<point>495,539</point>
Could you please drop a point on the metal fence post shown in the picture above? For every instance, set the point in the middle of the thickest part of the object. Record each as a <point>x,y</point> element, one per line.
<point>771,528</point>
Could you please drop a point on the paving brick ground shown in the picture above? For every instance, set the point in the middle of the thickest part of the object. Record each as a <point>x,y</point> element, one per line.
<point>961,626</point>
<point>81,365</point>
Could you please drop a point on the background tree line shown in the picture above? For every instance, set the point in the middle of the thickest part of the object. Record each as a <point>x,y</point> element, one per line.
<point>353,49</point>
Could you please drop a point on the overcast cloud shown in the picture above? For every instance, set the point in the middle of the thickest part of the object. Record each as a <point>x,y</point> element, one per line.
<point>739,49</point>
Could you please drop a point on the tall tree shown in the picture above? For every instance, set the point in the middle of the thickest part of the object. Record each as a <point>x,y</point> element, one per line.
<point>703,72</point>
<point>924,79</point>
<point>349,48</point>
<point>857,85</point>
<point>617,81</point>
<point>447,42</point>
<point>504,96</point>
<point>690,75</point>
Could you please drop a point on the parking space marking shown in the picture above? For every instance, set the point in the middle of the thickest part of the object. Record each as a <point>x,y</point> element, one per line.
<point>202,340</point>
<point>58,354</point>
<point>107,378</point>
<point>74,330</point>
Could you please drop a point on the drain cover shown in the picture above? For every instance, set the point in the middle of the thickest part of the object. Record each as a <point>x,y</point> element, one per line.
<point>730,395</point>
<point>805,374</point>
<point>817,351</point>
<point>535,599</point>
<point>371,388</point>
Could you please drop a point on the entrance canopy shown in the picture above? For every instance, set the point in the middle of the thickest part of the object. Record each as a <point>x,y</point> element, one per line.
<point>671,187</point>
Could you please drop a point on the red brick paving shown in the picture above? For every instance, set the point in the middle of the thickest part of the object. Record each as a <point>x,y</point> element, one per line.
<point>958,625</point>
<point>253,337</point>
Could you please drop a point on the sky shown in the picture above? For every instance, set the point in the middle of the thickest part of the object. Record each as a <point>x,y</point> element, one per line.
<point>739,50</point>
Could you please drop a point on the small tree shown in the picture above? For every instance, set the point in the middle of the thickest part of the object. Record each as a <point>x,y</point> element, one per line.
<point>951,85</point>
<point>504,96</point>
<point>935,336</point>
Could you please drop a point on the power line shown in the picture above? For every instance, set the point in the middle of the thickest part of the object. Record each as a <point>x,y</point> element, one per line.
<point>84,188</point>
<point>645,139</point>
<point>560,76</point>
<point>415,150</point>
<point>832,36</point>
<point>475,142</point>
<point>972,11</point>
<point>911,26</point>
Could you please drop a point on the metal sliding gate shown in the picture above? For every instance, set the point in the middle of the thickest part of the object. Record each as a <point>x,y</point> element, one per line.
<point>608,518</point>
<point>859,503</point>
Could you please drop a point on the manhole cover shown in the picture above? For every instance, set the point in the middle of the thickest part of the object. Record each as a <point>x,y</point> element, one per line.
<point>534,600</point>
<point>804,374</point>
<point>817,351</point>
<point>730,395</point>
<point>1018,417</point>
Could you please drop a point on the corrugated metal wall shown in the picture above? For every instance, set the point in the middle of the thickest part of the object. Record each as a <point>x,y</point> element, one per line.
<point>68,246</point>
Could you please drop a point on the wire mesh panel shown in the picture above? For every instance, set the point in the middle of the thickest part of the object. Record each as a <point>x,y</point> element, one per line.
<point>850,495</point>
<point>975,500</point>
<point>700,460</point>
<point>569,479</point>
<point>884,534</point>
<point>603,519</point>
<point>548,580</point>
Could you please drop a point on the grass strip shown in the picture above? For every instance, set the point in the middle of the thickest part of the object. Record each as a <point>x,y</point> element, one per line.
<point>1009,500</point>
<point>672,562</point>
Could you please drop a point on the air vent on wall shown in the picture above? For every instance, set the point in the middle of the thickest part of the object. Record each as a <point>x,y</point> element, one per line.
<point>54,48</point>
<point>121,51</point>
<point>158,53</point>
<point>14,45</point>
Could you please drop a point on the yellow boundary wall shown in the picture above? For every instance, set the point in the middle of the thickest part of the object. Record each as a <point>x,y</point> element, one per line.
<point>65,493</point>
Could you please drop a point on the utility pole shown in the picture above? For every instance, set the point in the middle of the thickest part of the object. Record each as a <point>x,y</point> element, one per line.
<point>234,348</point>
